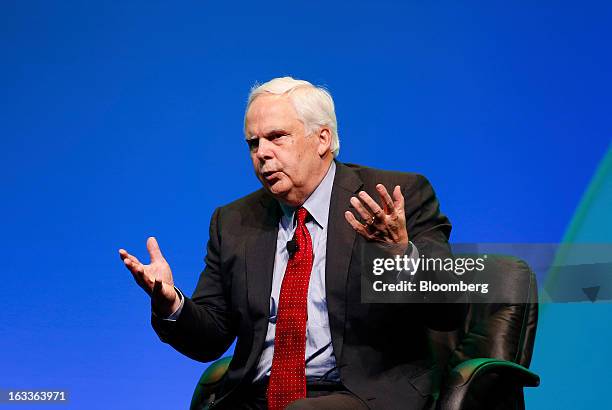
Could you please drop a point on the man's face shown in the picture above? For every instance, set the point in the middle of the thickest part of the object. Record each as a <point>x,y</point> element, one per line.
<point>288,163</point>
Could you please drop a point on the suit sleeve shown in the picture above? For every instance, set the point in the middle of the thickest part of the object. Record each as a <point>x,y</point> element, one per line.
<point>203,329</point>
<point>429,229</point>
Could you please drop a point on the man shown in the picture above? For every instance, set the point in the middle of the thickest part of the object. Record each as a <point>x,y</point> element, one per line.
<point>284,266</point>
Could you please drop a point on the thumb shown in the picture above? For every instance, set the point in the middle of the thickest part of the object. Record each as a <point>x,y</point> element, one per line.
<point>154,251</point>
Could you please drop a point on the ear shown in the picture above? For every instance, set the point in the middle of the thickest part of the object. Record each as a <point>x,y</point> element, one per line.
<point>324,138</point>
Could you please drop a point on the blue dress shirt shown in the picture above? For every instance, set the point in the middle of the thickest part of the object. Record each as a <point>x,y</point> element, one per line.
<point>320,360</point>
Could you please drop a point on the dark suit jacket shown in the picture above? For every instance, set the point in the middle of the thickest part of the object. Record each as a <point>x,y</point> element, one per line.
<point>381,349</point>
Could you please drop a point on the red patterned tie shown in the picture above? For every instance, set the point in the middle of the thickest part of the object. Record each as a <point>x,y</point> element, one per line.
<point>288,375</point>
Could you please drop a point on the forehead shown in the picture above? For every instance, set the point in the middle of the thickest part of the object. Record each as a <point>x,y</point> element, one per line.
<point>268,112</point>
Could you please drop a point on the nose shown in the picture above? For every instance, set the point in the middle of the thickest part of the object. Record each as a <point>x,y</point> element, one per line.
<point>264,150</point>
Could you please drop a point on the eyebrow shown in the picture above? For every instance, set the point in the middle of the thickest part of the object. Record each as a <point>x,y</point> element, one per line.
<point>270,133</point>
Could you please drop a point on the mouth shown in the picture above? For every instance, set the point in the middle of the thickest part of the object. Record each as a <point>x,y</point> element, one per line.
<point>270,175</point>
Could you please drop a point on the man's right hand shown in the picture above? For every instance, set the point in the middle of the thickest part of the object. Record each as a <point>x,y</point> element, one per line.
<point>155,278</point>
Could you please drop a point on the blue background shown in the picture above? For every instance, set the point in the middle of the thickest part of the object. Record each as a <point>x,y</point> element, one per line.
<point>120,120</point>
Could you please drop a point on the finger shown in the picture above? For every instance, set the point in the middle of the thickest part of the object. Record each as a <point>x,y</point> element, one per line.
<point>124,255</point>
<point>154,251</point>
<point>363,213</point>
<point>385,198</point>
<point>398,198</point>
<point>138,271</point>
<point>134,267</point>
<point>374,207</point>
<point>355,224</point>
<point>133,264</point>
<point>134,259</point>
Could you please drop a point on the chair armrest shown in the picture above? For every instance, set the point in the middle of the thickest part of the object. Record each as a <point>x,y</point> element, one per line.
<point>463,373</point>
<point>476,383</point>
<point>209,383</point>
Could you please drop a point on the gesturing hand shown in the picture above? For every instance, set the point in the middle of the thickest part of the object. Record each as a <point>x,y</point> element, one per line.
<point>386,224</point>
<point>155,278</point>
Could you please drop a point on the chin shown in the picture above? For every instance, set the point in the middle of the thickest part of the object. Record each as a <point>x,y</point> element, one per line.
<point>279,189</point>
<point>284,195</point>
<point>280,194</point>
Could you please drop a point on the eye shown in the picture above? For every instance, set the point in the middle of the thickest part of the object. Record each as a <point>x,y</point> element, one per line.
<point>253,143</point>
<point>277,137</point>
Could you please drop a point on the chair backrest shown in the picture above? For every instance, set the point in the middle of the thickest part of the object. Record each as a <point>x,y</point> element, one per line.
<point>501,324</point>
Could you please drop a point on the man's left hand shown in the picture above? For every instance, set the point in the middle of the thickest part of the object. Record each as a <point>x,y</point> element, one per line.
<point>385,225</point>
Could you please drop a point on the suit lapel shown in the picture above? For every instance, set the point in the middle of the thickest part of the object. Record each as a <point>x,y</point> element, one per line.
<point>340,241</point>
<point>260,253</point>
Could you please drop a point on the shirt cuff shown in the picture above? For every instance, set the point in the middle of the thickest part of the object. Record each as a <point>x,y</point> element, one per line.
<point>413,253</point>
<point>174,316</point>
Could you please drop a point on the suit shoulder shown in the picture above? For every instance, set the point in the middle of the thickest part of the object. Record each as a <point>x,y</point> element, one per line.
<point>249,211</point>
<point>247,202</point>
<point>249,199</point>
<point>369,174</point>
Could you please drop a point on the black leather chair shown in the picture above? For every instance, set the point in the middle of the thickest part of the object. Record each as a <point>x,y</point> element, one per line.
<point>486,361</point>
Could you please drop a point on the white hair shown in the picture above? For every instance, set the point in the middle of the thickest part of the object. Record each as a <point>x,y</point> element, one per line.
<point>314,105</point>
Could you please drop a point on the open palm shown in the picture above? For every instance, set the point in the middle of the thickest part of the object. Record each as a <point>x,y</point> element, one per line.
<point>155,278</point>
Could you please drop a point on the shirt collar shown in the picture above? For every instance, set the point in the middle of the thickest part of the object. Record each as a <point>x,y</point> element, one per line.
<point>317,203</point>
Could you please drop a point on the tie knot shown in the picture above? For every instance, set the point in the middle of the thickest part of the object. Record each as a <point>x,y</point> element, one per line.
<point>302,213</point>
